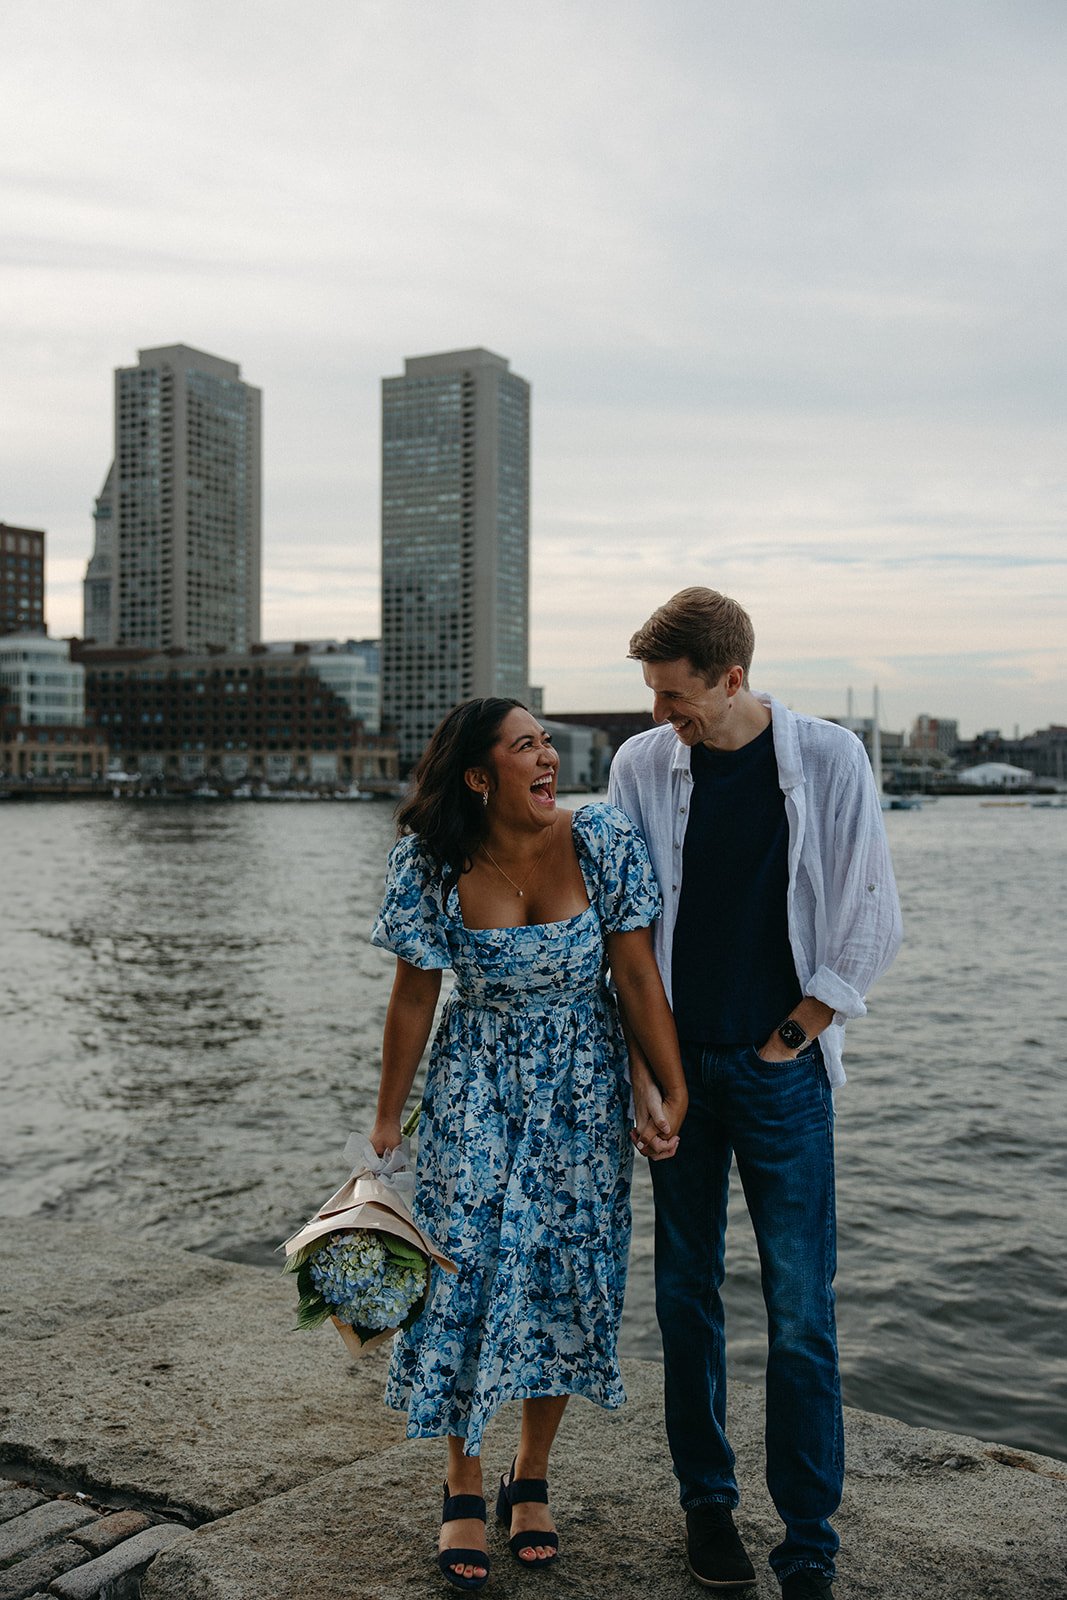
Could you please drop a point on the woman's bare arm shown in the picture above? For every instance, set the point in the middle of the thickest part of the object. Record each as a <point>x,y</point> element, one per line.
<point>660,1094</point>
<point>407,1027</point>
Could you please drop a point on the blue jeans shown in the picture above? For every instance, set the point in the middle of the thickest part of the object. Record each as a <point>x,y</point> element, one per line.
<point>778,1121</point>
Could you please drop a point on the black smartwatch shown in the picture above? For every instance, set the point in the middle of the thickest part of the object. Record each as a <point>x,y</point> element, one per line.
<point>792,1034</point>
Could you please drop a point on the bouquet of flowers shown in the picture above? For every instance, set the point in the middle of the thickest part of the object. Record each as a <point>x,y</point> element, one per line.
<point>362,1262</point>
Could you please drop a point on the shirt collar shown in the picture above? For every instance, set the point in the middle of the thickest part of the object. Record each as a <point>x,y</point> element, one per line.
<point>786,741</point>
<point>786,744</point>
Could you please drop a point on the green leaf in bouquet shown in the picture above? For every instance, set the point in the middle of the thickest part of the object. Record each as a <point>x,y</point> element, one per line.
<point>401,1249</point>
<point>413,1314</point>
<point>294,1262</point>
<point>312,1311</point>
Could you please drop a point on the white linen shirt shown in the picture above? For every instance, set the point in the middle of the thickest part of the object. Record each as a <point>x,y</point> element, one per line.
<point>841,902</point>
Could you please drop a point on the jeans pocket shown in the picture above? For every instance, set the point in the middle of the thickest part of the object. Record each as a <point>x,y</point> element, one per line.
<point>804,1059</point>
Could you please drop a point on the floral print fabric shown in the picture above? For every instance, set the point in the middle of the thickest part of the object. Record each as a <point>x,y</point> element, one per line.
<point>524,1159</point>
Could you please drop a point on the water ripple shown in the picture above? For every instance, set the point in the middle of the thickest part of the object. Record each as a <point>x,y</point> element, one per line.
<point>192,1014</point>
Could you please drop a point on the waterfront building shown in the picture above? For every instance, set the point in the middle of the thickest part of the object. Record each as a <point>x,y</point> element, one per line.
<point>1044,752</point>
<point>261,716</point>
<point>96,586</point>
<point>617,726</point>
<point>43,732</point>
<point>935,733</point>
<point>21,579</point>
<point>455,538</point>
<point>181,506</point>
<point>351,668</point>
<point>863,727</point>
<point>584,756</point>
<point>996,775</point>
<point>610,729</point>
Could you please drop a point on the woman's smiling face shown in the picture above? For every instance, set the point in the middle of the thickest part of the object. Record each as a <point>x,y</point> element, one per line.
<point>525,766</point>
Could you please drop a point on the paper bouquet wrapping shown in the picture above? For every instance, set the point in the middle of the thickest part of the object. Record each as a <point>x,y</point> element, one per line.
<point>362,1262</point>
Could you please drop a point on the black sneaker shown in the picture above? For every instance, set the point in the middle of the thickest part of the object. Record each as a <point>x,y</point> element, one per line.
<point>714,1553</point>
<point>807,1584</point>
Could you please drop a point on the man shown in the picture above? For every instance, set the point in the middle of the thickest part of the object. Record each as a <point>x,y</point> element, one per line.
<point>780,911</point>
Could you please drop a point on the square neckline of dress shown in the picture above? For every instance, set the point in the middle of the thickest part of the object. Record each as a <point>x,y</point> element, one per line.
<point>517,927</point>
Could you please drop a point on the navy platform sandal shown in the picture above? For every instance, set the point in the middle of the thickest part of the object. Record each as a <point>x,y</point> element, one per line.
<point>458,1506</point>
<point>516,1491</point>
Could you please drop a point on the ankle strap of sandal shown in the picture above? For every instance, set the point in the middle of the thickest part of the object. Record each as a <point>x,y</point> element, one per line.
<point>521,1490</point>
<point>458,1506</point>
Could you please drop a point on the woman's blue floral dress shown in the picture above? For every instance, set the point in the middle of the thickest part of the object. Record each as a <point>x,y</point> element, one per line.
<point>524,1161</point>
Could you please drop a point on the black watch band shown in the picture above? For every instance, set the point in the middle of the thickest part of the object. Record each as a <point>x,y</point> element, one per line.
<point>792,1034</point>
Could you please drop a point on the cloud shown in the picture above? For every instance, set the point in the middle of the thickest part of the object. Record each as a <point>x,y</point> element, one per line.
<point>788,284</point>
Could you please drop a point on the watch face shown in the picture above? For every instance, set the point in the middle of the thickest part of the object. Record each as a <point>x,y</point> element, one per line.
<point>792,1034</point>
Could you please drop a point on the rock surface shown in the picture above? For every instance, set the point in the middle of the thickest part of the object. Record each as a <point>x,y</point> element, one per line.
<point>122,1561</point>
<point>205,1401</point>
<point>103,1275</point>
<point>924,1514</point>
<point>32,1573</point>
<point>41,1526</point>
<point>203,1398</point>
<point>13,1502</point>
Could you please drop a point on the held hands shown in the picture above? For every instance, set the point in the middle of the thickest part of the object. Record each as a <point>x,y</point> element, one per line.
<point>657,1118</point>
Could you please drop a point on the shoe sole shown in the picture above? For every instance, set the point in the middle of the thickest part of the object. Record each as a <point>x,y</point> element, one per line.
<point>720,1583</point>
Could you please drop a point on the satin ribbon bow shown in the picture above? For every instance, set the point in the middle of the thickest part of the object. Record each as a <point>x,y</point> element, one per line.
<point>391,1168</point>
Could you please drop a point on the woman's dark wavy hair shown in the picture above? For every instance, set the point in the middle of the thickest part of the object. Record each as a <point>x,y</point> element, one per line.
<point>449,817</point>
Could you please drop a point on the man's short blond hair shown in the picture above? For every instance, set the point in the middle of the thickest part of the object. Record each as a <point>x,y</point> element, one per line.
<point>709,629</point>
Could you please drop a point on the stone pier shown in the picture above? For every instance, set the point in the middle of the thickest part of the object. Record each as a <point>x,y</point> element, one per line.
<point>254,1462</point>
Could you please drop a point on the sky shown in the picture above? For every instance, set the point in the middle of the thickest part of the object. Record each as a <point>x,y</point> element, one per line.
<point>787,280</point>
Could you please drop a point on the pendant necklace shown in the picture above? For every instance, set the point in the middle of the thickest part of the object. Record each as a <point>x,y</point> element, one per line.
<point>519,887</point>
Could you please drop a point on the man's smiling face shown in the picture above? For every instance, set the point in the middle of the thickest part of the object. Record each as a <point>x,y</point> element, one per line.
<point>697,713</point>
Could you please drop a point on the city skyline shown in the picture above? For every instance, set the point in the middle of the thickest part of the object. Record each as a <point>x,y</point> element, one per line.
<point>794,320</point>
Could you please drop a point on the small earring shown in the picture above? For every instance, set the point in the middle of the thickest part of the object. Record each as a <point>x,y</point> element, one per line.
<point>485,797</point>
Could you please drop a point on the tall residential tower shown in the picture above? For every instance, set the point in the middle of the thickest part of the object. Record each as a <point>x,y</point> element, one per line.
<point>455,538</point>
<point>180,508</point>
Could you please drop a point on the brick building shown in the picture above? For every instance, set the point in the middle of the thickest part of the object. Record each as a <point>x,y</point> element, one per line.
<point>255,716</point>
<point>21,580</point>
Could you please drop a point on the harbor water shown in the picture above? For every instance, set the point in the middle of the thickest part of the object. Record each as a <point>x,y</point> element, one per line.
<point>190,1022</point>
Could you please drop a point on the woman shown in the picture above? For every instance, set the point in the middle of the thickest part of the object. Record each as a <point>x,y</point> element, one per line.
<point>524,1159</point>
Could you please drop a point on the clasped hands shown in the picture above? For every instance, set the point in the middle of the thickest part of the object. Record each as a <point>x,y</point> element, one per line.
<point>657,1117</point>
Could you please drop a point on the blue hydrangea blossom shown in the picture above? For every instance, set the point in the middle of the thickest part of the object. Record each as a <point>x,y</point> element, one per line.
<point>363,1283</point>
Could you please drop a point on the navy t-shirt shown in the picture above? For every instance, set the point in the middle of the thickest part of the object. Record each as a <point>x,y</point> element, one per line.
<point>732,969</point>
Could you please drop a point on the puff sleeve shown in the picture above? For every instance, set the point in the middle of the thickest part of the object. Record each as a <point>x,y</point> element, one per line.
<point>411,920</point>
<point>626,892</point>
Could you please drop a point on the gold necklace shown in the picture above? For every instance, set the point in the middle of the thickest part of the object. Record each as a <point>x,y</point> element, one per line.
<point>519,887</point>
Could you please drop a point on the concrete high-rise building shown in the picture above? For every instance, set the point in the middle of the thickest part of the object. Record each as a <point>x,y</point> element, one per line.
<point>455,538</point>
<point>21,580</point>
<point>96,586</point>
<point>182,502</point>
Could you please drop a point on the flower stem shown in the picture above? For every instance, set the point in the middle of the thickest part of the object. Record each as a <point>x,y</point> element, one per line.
<point>412,1123</point>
